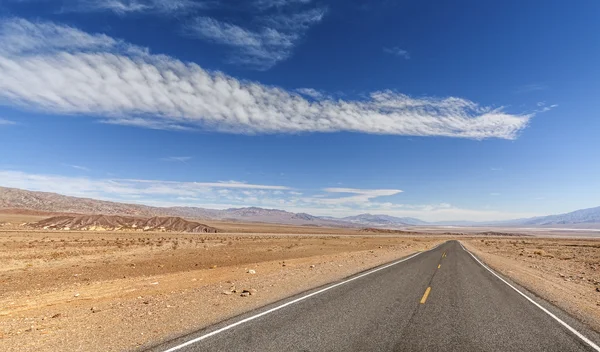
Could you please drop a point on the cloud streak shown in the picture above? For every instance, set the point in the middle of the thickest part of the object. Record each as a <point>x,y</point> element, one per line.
<point>121,187</point>
<point>181,159</point>
<point>123,7</point>
<point>396,51</point>
<point>260,49</point>
<point>62,70</point>
<point>312,93</point>
<point>264,44</point>
<point>529,88</point>
<point>78,167</point>
<point>357,197</point>
<point>6,122</point>
<point>267,4</point>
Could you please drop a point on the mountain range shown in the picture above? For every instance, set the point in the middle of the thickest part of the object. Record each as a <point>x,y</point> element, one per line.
<point>583,216</point>
<point>13,198</point>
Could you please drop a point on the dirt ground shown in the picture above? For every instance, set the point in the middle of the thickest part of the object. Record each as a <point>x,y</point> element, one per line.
<point>119,291</point>
<point>90,291</point>
<point>565,272</point>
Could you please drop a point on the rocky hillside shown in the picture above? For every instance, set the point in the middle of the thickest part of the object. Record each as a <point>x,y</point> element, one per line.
<point>583,216</point>
<point>51,202</point>
<point>12,198</point>
<point>383,220</point>
<point>121,223</point>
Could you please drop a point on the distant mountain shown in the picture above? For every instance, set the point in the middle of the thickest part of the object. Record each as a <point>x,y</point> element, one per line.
<point>383,220</point>
<point>51,202</point>
<point>277,216</point>
<point>583,216</point>
<point>304,216</point>
<point>44,202</point>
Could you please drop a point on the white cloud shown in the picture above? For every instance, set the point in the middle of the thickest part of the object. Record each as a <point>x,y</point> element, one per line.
<point>115,188</point>
<point>228,194</point>
<point>371,193</point>
<point>61,70</point>
<point>146,123</point>
<point>22,37</point>
<point>358,197</point>
<point>78,167</point>
<point>544,108</point>
<point>397,52</point>
<point>267,4</point>
<point>296,21</point>
<point>123,7</point>
<point>181,159</point>
<point>6,122</point>
<point>310,92</point>
<point>276,28</point>
<point>258,49</point>
<point>262,47</point>
<point>529,88</point>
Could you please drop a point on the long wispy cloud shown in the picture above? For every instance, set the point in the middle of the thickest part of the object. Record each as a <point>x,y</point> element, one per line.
<point>355,196</point>
<point>227,194</point>
<point>264,43</point>
<point>121,187</point>
<point>123,7</point>
<point>267,4</point>
<point>62,70</point>
<point>529,88</point>
<point>6,122</point>
<point>78,167</point>
<point>181,159</point>
<point>260,49</point>
<point>259,41</point>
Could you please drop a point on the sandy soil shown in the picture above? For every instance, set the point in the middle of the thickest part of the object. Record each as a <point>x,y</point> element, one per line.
<point>115,291</point>
<point>90,291</point>
<point>565,272</point>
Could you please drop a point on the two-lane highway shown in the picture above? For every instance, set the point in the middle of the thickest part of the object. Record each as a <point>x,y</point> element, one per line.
<point>441,299</point>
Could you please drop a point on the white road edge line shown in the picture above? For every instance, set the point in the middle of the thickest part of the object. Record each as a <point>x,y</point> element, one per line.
<point>197,339</point>
<point>567,326</point>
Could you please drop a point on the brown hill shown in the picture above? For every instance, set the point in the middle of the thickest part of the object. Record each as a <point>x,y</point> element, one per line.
<point>32,212</point>
<point>14,198</point>
<point>121,223</point>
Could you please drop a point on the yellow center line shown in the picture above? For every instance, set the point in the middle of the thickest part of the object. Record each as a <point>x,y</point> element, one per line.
<point>424,299</point>
<point>439,265</point>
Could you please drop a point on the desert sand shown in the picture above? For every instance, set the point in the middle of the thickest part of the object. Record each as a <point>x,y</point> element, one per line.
<point>115,291</point>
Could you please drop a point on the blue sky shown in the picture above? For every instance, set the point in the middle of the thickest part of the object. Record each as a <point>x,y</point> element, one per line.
<point>469,110</point>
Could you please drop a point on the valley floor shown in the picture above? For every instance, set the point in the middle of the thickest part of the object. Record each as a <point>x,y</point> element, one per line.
<point>90,291</point>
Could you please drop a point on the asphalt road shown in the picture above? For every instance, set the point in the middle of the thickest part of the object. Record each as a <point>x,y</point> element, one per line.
<point>442,299</point>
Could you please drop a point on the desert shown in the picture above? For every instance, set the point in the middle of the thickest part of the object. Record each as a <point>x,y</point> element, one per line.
<point>127,290</point>
<point>77,290</point>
